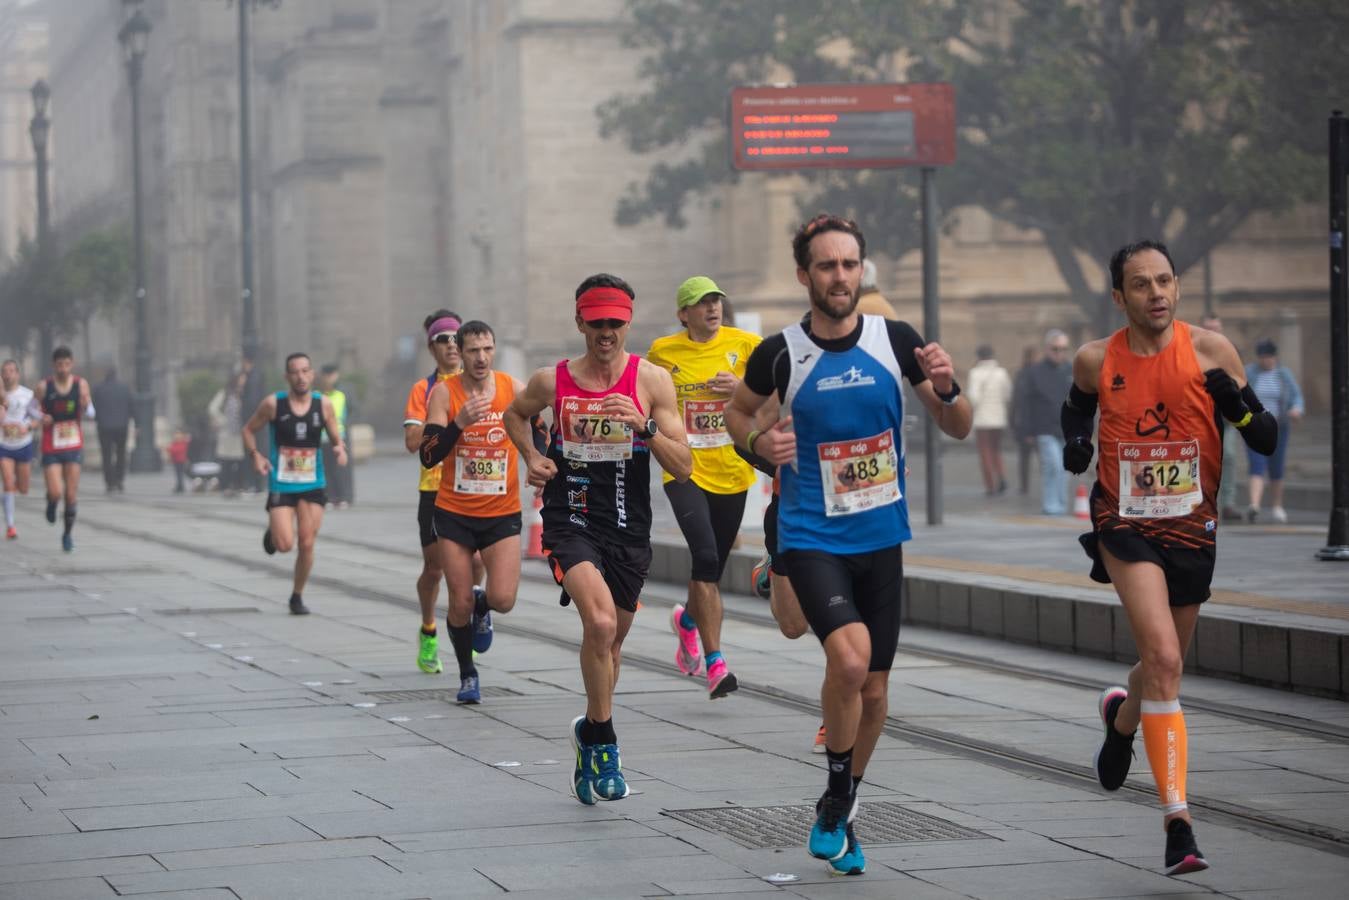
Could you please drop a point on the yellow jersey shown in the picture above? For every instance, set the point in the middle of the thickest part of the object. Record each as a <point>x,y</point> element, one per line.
<point>717,468</point>
<point>415,414</point>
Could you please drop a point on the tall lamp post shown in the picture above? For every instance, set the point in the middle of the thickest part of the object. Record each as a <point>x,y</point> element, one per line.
<point>145,458</point>
<point>39,129</point>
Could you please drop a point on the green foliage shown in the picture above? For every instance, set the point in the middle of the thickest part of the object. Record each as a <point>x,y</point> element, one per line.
<point>93,276</point>
<point>195,390</point>
<point>1096,122</point>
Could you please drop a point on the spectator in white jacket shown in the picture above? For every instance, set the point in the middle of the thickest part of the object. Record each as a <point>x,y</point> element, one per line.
<point>990,393</point>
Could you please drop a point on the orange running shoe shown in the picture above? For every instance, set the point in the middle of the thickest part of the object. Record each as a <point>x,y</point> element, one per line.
<point>819,740</point>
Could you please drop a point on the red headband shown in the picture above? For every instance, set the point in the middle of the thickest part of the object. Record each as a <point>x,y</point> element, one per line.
<point>604,303</point>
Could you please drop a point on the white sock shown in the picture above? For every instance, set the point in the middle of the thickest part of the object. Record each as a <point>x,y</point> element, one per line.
<point>9,509</point>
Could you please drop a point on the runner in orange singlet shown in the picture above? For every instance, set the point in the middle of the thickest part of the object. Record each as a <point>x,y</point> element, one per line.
<point>478,502</point>
<point>1161,385</point>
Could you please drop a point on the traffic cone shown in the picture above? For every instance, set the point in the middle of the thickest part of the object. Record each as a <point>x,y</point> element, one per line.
<point>1081,508</point>
<point>535,546</point>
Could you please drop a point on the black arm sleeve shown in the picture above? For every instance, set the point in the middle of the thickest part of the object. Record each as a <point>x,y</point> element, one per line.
<point>756,461</point>
<point>437,442</point>
<point>904,340</point>
<point>1261,433</point>
<point>761,375</point>
<point>1077,417</point>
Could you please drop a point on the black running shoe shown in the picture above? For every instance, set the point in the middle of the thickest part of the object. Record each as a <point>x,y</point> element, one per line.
<point>1182,853</point>
<point>297,607</point>
<point>267,544</point>
<point>1117,750</point>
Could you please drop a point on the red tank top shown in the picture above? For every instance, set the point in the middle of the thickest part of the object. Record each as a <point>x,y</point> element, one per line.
<point>603,484</point>
<point>1160,445</point>
<point>481,475</point>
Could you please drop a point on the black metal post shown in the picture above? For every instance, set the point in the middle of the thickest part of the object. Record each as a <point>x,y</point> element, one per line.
<point>931,332</point>
<point>249,324</point>
<point>1337,541</point>
<point>145,456</point>
<point>39,129</point>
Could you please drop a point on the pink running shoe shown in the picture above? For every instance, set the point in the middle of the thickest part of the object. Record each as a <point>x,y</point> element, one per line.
<point>687,656</point>
<point>720,680</point>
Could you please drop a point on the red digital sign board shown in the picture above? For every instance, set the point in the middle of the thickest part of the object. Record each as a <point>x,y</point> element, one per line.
<point>843,126</point>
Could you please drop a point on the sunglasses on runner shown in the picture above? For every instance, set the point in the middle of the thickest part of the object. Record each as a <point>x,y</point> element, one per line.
<point>443,339</point>
<point>600,324</point>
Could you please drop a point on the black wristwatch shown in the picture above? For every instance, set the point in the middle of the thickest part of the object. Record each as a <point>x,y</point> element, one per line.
<point>949,399</point>
<point>649,431</point>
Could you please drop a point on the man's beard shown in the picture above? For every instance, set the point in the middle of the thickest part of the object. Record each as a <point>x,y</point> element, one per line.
<point>820,301</point>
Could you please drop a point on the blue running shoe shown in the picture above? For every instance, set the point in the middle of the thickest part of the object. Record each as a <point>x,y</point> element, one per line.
<point>607,772</point>
<point>67,543</point>
<point>852,862</point>
<point>581,787</point>
<point>482,622</point>
<point>829,834</point>
<point>468,690</point>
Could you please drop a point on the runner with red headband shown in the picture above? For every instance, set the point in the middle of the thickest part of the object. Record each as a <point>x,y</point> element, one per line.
<point>612,411</point>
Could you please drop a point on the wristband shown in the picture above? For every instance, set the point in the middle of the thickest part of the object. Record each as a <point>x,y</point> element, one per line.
<point>749,441</point>
<point>1245,420</point>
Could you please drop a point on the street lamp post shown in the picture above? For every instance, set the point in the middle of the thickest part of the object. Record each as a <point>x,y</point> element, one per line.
<point>145,458</point>
<point>39,129</point>
<point>250,327</point>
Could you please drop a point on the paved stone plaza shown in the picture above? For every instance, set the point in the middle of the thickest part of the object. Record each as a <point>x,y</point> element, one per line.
<point>167,730</point>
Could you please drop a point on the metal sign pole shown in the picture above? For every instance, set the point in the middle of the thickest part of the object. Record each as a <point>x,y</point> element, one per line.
<point>931,332</point>
<point>1337,542</point>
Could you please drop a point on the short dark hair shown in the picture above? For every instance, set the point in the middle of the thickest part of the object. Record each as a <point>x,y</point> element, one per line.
<point>298,354</point>
<point>821,223</point>
<point>604,279</point>
<point>984,351</point>
<point>330,368</point>
<point>1127,252</point>
<point>470,328</point>
<point>439,314</point>
<point>62,352</point>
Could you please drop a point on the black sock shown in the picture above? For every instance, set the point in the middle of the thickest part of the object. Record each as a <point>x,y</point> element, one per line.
<point>840,772</point>
<point>856,780</point>
<point>462,641</point>
<point>429,630</point>
<point>70,517</point>
<point>479,602</point>
<point>598,732</point>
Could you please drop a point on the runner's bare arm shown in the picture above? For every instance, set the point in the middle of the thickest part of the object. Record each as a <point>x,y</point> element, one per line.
<point>670,445</point>
<point>265,412</point>
<point>775,442</point>
<point>1087,364</point>
<point>86,398</point>
<point>438,406</point>
<point>956,418</point>
<point>334,434</point>
<point>538,394</point>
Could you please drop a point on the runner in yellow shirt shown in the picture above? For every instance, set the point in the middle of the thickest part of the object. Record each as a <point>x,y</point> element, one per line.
<point>706,361</point>
<point>441,327</point>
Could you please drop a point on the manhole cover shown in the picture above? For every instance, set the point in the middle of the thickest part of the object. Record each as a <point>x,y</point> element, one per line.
<point>205,610</point>
<point>765,827</point>
<point>446,694</point>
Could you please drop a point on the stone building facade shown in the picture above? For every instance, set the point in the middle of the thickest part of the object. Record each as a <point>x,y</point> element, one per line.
<point>23,60</point>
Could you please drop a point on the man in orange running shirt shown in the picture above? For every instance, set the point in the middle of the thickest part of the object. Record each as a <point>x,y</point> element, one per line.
<point>1161,386</point>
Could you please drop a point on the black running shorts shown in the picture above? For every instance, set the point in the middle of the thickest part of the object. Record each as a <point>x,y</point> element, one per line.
<point>277,498</point>
<point>475,532</point>
<point>770,537</point>
<point>624,566</point>
<point>837,590</point>
<point>1188,571</point>
<point>709,522</point>
<point>426,517</point>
